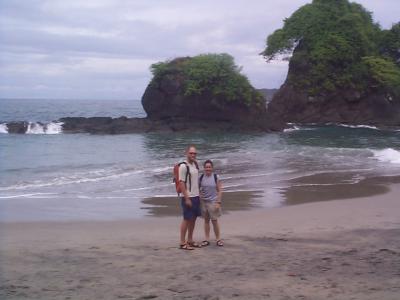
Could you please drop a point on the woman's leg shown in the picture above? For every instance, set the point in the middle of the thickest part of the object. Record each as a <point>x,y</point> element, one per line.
<point>207,228</point>
<point>216,229</point>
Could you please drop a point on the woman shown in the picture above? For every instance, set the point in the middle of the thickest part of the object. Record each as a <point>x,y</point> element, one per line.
<point>210,196</point>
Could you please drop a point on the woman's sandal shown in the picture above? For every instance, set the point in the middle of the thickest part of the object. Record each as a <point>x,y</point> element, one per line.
<point>185,247</point>
<point>220,243</point>
<point>194,244</point>
<point>205,243</point>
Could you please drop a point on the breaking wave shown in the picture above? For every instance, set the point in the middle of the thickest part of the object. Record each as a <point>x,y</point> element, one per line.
<point>49,128</point>
<point>387,155</point>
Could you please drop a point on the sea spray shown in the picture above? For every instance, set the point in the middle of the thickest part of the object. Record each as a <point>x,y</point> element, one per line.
<point>387,155</point>
<point>3,128</point>
<point>39,128</point>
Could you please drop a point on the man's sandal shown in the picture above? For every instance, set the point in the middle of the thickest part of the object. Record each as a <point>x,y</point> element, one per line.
<point>205,243</point>
<point>194,244</point>
<point>220,243</point>
<point>185,247</point>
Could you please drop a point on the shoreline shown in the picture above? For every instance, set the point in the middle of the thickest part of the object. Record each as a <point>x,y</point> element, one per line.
<point>317,188</point>
<point>337,249</point>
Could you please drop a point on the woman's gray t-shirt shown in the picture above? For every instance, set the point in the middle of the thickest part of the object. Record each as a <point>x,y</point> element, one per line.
<point>208,188</point>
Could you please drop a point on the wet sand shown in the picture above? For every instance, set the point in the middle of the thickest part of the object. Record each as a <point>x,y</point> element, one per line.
<point>334,186</point>
<point>342,249</point>
<point>233,201</point>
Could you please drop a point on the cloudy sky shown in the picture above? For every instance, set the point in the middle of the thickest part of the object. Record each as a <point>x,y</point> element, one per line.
<point>102,49</point>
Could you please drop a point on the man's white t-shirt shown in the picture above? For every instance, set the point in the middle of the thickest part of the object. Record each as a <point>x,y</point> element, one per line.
<point>192,182</point>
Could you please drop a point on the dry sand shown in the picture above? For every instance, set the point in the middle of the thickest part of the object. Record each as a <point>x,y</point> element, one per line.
<point>343,249</point>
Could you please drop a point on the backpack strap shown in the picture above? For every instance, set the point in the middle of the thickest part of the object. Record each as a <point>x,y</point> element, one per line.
<point>202,175</point>
<point>201,178</point>
<point>187,175</point>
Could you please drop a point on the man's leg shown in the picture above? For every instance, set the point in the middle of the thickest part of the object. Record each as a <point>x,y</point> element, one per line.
<point>184,229</point>
<point>191,225</point>
<point>216,229</point>
<point>207,228</point>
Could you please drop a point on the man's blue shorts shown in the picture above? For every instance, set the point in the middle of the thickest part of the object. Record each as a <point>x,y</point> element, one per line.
<point>190,213</point>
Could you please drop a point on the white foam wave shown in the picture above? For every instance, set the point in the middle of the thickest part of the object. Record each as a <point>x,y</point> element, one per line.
<point>146,188</point>
<point>3,128</point>
<point>358,126</point>
<point>294,128</point>
<point>387,155</point>
<point>50,128</point>
<point>65,180</point>
<point>164,196</point>
<point>90,176</point>
<point>32,195</point>
<point>161,170</point>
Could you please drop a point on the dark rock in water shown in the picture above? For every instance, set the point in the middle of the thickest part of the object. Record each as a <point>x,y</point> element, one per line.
<point>349,107</point>
<point>100,125</point>
<point>106,125</point>
<point>165,99</point>
<point>294,104</point>
<point>122,125</point>
<point>17,127</point>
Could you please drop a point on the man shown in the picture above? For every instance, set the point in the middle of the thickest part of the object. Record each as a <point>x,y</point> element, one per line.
<point>190,201</point>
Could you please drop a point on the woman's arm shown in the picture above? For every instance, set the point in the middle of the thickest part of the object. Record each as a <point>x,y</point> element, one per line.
<point>219,190</point>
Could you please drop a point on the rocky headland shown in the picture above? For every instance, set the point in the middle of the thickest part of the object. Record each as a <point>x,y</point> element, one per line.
<point>343,67</point>
<point>374,107</point>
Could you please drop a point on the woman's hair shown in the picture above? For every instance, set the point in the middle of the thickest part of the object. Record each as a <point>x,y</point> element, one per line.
<point>208,161</point>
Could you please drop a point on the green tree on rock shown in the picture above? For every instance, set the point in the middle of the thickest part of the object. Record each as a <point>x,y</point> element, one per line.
<point>334,44</point>
<point>215,74</point>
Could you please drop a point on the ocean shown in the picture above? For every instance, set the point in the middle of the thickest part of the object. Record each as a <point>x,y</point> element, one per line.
<point>47,175</point>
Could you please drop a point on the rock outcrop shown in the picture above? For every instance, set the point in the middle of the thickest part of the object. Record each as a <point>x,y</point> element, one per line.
<point>17,127</point>
<point>295,105</point>
<point>123,125</point>
<point>165,100</point>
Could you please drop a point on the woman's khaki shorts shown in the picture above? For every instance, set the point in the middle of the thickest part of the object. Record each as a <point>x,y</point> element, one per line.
<point>209,210</point>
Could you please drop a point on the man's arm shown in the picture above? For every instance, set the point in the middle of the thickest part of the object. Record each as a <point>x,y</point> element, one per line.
<point>185,194</point>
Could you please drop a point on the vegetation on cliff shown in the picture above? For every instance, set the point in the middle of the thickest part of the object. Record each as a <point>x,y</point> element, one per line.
<point>334,44</point>
<point>212,74</point>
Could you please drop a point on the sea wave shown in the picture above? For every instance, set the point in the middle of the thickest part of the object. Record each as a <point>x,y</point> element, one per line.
<point>358,126</point>
<point>3,128</point>
<point>294,128</point>
<point>49,128</point>
<point>387,155</point>
<point>31,195</point>
<point>63,180</point>
<point>89,176</point>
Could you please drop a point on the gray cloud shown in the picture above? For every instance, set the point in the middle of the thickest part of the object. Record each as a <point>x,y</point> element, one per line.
<point>103,48</point>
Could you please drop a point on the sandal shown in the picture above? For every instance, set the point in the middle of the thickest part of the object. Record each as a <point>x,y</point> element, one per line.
<point>205,243</point>
<point>194,244</point>
<point>220,243</point>
<point>185,247</point>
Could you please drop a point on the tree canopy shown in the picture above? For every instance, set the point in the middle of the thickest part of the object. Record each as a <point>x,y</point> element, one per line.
<point>336,44</point>
<point>214,73</point>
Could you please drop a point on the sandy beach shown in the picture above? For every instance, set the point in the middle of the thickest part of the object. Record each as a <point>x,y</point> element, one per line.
<point>341,249</point>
